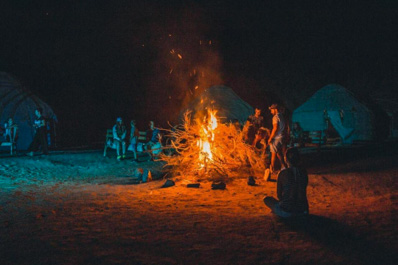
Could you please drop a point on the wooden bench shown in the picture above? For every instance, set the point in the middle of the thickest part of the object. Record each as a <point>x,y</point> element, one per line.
<point>315,138</point>
<point>11,144</point>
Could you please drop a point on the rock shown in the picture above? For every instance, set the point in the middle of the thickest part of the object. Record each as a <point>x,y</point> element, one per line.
<point>218,185</point>
<point>168,183</point>
<point>251,181</point>
<point>193,185</point>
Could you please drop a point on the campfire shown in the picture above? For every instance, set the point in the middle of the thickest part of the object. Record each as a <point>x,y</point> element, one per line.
<point>205,148</point>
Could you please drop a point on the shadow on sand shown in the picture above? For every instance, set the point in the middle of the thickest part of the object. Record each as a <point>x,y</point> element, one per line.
<point>343,240</point>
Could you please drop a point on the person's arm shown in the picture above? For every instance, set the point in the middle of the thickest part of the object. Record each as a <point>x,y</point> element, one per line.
<point>124,134</point>
<point>42,122</point>
<point>114,133</point>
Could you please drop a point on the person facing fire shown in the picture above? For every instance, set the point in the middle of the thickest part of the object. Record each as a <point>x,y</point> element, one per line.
<point>256,121</point>
<point>40,136</point>
<point>276,139</point>
<point>291,189</point>
<point>134,134</point>
<point>153,136</point>
<point>119,138</point>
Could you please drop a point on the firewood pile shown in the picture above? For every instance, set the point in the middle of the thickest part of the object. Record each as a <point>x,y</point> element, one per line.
<point>207,149</point>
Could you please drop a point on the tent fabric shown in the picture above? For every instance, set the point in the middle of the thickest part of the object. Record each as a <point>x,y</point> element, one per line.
<point>19,103</point>
<point>229,106</point>
<point>351,119</point>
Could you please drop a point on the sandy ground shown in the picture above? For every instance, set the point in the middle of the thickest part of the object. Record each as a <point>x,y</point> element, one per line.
<point>81,208</point>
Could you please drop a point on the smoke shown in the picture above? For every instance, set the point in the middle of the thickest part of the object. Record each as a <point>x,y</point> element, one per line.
<point>186,62</point>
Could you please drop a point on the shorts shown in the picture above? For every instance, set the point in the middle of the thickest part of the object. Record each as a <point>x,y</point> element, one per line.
<point>276,145</point>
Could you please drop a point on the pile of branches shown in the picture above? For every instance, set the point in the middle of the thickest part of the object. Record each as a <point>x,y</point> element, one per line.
<point>231,156</point>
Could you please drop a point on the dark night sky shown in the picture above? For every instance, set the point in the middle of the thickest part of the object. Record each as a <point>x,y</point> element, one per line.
<point>94,60</point>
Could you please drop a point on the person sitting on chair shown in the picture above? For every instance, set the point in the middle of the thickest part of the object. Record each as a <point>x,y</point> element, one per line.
<point>296,135</point>
<point>119,138</point>
<point>40,136</point>
<point>291,188</point>
<point>134,134</point>
<point>10,131</point>
<point>153,136</point>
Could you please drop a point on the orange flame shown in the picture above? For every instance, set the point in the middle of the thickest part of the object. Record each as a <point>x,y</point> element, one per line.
<point>207,138</point>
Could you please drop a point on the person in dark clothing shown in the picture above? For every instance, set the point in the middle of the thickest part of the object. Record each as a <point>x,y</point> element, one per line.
<point>40,136</point>
<point>291,189</point>
<point>256,121</point>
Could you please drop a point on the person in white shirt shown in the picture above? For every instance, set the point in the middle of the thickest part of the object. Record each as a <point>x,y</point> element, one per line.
<point>277,137</point>
<point>119,138</point>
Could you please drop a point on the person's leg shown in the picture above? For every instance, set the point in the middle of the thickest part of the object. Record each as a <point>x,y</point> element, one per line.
<point>117,148</point>
<point>273,204</point>
<point>272,166</point>
<point>281,160</point>
<point>135,151</point>
<point>34,144</point>
<point>43,141</point>
<point>124,149</point>
<point>270,202</point>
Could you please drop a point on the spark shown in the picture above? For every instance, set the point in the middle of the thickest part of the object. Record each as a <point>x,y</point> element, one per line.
<point>179,56</point>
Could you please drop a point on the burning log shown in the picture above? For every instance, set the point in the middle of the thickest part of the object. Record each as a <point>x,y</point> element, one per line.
<point>207,149</point>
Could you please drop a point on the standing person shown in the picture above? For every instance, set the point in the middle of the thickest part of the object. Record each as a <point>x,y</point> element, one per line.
<point>119,137</point>
<point>291,188</point>
<point>276,139</point>
<point>134,134</point>
<point>40,136</point>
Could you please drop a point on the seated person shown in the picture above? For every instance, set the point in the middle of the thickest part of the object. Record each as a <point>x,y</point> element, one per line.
<point>291,189</point>
<point>134,134</point>
<point>249,133</point>
<point>10,131</point>
<point>296,135</point>
<point>119,138</point>
<point>257,121</point>
<point>153,137</point>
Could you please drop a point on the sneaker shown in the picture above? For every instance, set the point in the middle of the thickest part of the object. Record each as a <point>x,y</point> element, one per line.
<point>29,154</point>
<point>123,156</point>
<point>118,158</point>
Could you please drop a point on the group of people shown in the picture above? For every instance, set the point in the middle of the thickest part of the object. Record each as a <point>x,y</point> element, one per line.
<point>119,131</point>
<point>10,133</point>
<point>292,180</point>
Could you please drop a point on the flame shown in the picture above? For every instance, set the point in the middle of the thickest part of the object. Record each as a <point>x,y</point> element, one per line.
<point>207,136</point>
